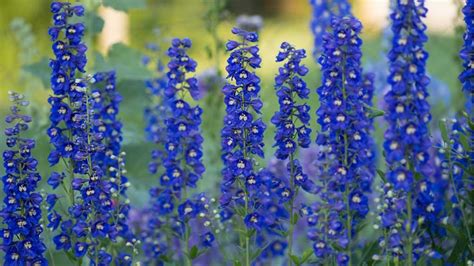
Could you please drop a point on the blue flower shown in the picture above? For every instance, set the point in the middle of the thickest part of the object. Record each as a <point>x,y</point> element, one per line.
<point>174,126</point>
<point>207,239</point>
<point>86,136</point>
<point>407,143</point>
<point>21,215</point>
<point>346,148</point>
<point>322,13</point>
<point>467,75</point>
<point>242,135</point>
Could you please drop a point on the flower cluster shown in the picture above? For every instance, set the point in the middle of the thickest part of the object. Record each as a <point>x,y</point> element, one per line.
<point>182,161</point>
<point>21,215</point>
<point>292,124</point>
<point>242,134</point>
<point>323,11</point>
<point>86,138</point>
<point>467,55</point>
<point>409,201</point>
<point>67,104</point>
<point>346,146</point>
<point>105,103</point>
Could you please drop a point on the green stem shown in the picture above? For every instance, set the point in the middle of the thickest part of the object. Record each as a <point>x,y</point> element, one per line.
<point>346,185</point>
<point>408,229</point>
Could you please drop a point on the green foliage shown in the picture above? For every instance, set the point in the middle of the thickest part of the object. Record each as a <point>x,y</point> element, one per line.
<point>40,70</point>
<point>124,5</point>
<point>125,61</point>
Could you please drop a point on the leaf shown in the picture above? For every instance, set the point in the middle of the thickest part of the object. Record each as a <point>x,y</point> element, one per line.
<point>369,250</point>
<point>306,255</point>
<point>374,114</point>
<point>295,259</point>
<point>40,70</point>
<point>94,23</point>
<point>124,5</point>
<point>294,219</point>
<point>125,61</point>
<point>458,250</point>
<point>382,175</point>
<point>443,130</point>
<point>193,252</point>
<point>237,263</point>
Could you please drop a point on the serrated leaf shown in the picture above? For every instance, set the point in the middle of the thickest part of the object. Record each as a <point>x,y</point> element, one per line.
<point>40,70</point>
<point>125,61</point>
<point>124,5</point>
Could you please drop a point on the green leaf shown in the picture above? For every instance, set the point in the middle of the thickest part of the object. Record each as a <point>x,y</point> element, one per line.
<point>125,61</point>
<point>295,259</point>
<point>443,130</point>
<point>306,255</point>
<point>369,250</point>
<point>374,114</point>
<point>458,250</point>
<point>94,23</point>
<point>237,263</point>
<point>193,252</point>
<point>382,175</point>
<point>40,70</point>
<point>124,5</point>
<point>294,219</point>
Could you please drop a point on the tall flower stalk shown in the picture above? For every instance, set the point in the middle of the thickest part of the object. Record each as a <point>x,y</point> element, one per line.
<point>407,198</point>
<point>292,123</point>
<point>323,11</point>
<point>21,215</point>
<point>242,138</point>
<point>345,137</point>
<point>174,208</point>
<point>90,217</point>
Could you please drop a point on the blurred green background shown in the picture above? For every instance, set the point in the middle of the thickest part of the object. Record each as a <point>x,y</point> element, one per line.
<point>25,47</point>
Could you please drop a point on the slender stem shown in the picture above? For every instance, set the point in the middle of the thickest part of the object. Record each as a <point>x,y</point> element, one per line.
<point>408,229</point>
<point>346,165</point>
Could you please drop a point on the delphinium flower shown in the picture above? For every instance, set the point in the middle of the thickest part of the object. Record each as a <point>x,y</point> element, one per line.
<point>105,105</point>
<point>157,111</point>
<point>182,164</point>
<point>453,183</point>
<point>21,214</point>
<point>208,80</point>
<point>249,23</point>
<point>346,150</point>
<point>84,217</point>
<point>242,138</point>
<point>323,11</point>
<point>467,56</point>
<point>408,201</point>
<point>292,125</point>
<point>454,154</point>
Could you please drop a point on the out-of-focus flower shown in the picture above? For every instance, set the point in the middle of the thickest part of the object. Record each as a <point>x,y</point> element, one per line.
<point>249,23</point>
